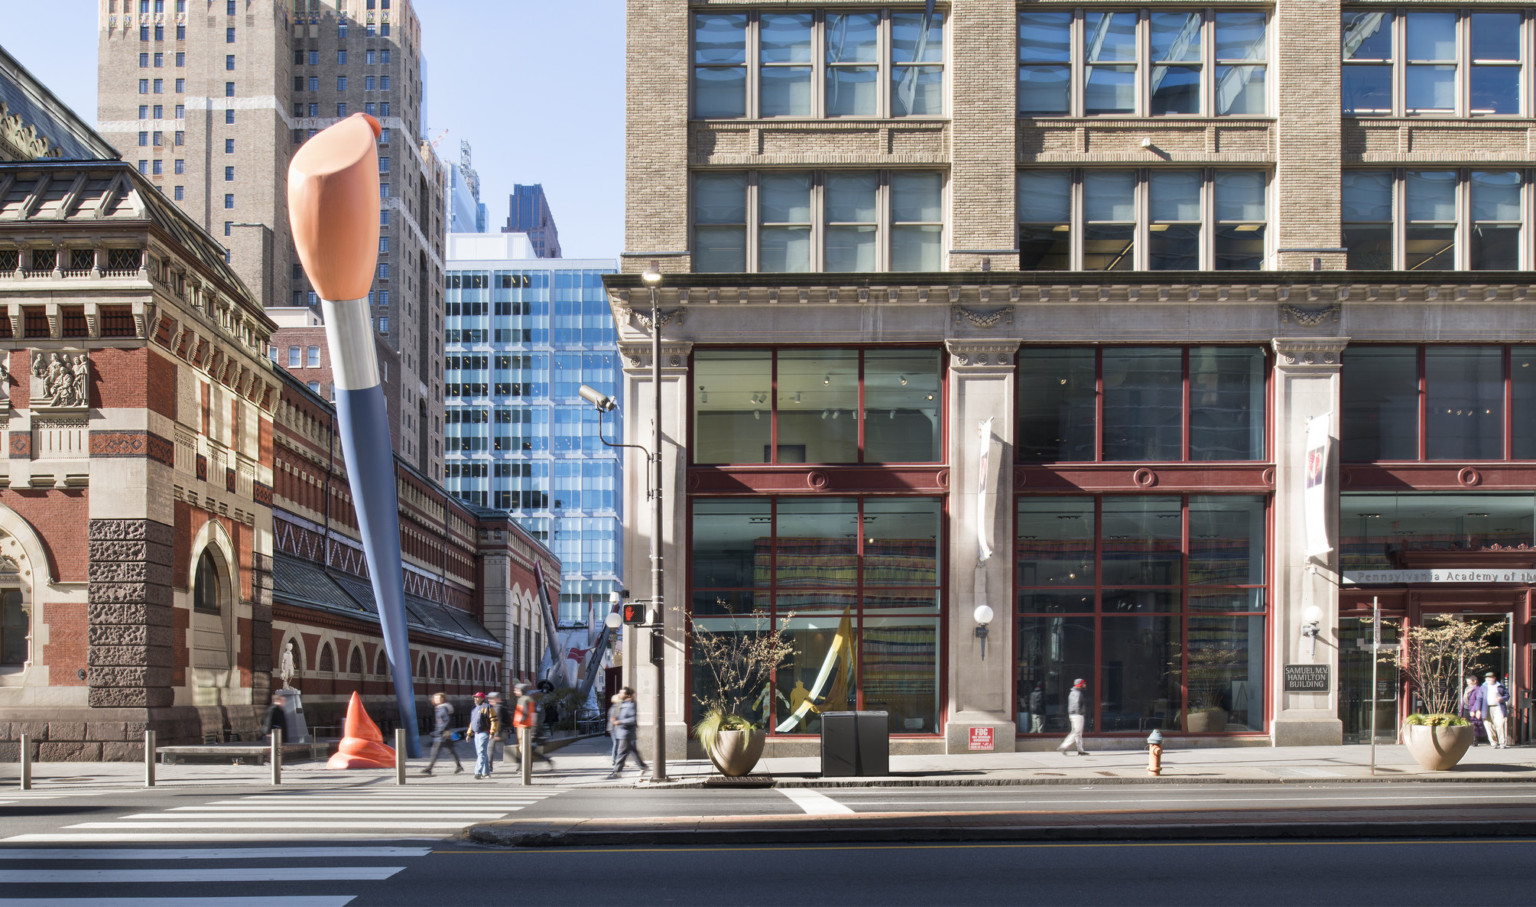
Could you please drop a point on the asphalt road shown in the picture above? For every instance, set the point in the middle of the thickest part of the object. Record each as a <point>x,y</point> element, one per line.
<point>250,848</point>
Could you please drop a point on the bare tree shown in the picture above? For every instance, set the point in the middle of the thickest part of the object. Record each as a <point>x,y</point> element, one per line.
<point>1434,656</point>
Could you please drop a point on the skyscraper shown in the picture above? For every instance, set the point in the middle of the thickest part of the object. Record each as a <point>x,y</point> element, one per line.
<point>524,333</point>
<point>466,213</point>
<point>528,212</point>
<point>211,104</point>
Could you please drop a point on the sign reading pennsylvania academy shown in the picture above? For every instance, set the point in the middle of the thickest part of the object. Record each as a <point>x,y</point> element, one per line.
<point>1441,575</point>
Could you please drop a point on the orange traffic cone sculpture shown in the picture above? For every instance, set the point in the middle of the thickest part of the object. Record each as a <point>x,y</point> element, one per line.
<point>362,746</point>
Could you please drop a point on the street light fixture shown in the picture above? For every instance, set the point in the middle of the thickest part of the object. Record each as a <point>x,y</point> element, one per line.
<point>651,277</point>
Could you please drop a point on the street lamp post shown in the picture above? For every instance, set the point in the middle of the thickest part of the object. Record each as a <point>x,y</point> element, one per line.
<point>604,403</point>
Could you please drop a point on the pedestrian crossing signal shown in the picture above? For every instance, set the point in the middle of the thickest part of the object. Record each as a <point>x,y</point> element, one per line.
<point>634,614</point>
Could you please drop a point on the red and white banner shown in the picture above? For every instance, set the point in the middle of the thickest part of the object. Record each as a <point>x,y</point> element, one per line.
<point>1315,497</point>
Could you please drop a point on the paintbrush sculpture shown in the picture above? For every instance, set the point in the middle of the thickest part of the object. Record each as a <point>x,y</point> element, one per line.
<point>333,206</point>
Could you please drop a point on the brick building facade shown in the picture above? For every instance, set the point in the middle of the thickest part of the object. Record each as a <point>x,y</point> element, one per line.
<point>173,507</point>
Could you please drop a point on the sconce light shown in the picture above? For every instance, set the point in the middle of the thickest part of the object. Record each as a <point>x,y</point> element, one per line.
<point>613,620</point>
<point>983,615</point>
<point>1311,626</point>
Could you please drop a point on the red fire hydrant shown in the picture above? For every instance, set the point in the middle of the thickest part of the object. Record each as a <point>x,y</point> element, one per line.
<point>1155,753</point>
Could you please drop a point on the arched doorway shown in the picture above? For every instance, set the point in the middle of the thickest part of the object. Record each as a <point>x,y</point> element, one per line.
<point>211,635</point>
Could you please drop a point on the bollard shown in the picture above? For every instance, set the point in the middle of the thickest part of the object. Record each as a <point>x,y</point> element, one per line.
<point>399,755</point>
<point>149,758</point>
<point>26,762</point>
<point>277,755</point>
<point>525,751</point>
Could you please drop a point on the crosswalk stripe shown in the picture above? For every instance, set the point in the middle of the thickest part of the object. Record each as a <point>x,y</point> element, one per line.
<point>33,854</point>
<point>278,901</point>
<point>173,874</point>
<point>189,837</point>
<point>381,826</point>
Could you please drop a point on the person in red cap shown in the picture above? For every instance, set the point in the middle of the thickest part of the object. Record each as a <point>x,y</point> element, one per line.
<point>1077,715</point>
<point>484,724</point>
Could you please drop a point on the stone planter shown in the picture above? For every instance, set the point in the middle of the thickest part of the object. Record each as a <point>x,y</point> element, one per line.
<point>735,753</point>
<point>1206,721</point>
<point>1437,749</point>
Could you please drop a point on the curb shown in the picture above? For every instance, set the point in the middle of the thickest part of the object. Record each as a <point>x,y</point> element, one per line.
<point>764,782</point>
<point>504,836</point>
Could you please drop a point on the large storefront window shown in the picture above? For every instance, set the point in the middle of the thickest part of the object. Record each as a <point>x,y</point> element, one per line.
<point>1438,403</point>
<point>855,584</point>
<point>816,405</point>
<point>1153,404</point>
<point>1157,601</point>
<point>1375,529</point>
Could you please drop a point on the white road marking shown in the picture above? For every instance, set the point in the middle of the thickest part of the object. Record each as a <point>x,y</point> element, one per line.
<point>270,901</point>
<point>214,853</point>
<point>295,826</point>
<point>243,815</point>
<point>174,874</point>
<point>190,837</point>
<point>814,803</point>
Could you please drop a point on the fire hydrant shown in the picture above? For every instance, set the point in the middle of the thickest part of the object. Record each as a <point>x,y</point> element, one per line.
<point>1155,753</point>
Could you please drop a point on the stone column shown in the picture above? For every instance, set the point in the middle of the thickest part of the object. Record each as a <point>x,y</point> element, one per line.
<point>130,654</point>
<point>983,144</point>
<point>638,415</point>
<point>1306,386</point>
<point>1304,42</point>
<point>981,379</point>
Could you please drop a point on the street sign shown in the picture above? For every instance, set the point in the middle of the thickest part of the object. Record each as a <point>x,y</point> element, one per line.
<point>980,739</point>
<point>1307,678</point>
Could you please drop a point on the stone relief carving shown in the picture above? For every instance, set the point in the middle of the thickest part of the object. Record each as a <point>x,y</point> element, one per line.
<point>21,138</point>
<point>1309,318</point>
<point>984,318</point>
<point>60,379</point>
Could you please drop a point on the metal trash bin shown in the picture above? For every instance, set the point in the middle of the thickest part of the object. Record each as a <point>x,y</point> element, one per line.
<point>855,744</point>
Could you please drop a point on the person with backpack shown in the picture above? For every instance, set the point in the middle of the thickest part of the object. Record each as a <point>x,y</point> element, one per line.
<point>442,733</point>
<point>484,725</point>
<point>504,724</point>
<point>525,719</point>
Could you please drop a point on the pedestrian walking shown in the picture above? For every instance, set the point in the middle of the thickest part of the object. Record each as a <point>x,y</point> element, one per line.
<point>613,735</point>
<point>504,725</point>
<point>442,733</point>
<point>625,724</point>
<point>525,718</point>
<point>1473,706</point>
<point>1496,714</point>
<point>277,718</point>
<point>483,725</point>
<point>1037,708</point>
<point>1076,717</point>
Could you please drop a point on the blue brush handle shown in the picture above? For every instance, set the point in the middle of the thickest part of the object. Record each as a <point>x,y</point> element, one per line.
<point>363,423</point>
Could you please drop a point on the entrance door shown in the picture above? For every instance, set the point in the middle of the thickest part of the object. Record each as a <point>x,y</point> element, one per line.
<point>1355,697</point>
<point>1500,659</point>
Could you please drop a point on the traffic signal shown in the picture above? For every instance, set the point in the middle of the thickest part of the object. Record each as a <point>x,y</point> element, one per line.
<point>634,614</point>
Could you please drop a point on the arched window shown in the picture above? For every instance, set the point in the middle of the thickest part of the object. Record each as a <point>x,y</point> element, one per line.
<point>381,665</point>
<point>421,665</point>
<point>206,586</point>
<point>327,659</point>
<point>356,667</point>
<point>13,616</point>
<point>442,669</point>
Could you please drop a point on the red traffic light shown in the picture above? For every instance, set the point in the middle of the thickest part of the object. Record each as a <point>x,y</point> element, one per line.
<point>634,614</point>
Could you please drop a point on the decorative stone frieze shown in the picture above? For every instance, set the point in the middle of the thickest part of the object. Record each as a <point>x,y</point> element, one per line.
<point>637,354</point>
<point>60,380</point>
<point>1320,352</point>
<point>989,354</point>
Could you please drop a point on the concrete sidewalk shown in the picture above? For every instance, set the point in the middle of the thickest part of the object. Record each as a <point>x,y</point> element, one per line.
<point>585,764</point>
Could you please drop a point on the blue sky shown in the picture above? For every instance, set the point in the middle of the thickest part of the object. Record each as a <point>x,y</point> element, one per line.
<point>536,87</point>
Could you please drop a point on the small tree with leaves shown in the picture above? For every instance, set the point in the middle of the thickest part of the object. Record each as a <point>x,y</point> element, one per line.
<point>1435,656</point>
<point>739,662</point>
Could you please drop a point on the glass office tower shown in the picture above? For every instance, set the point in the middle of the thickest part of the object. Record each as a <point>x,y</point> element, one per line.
<point>523,334</point>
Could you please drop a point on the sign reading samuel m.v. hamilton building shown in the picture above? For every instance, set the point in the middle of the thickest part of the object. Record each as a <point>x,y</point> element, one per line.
<point>1306,678</point>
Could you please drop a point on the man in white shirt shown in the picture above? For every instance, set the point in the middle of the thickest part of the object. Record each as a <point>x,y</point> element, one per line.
<point>1496,713</point>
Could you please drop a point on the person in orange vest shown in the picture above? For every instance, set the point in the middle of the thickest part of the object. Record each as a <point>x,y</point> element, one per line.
<point>526,715</point>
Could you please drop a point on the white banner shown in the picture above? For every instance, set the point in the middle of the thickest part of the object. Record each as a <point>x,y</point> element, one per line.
<point>1315,497</point>
<point>983,506</point>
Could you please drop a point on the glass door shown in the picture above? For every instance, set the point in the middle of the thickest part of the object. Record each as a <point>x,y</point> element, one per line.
<point>1355,695</point>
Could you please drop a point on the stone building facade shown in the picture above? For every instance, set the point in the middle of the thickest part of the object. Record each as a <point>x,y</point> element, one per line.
<point>211,100</point>
<point>1031,307</point>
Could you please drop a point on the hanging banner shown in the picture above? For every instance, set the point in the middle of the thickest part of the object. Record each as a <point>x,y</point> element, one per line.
<point>1315,498</point>
<point>983,506</point>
